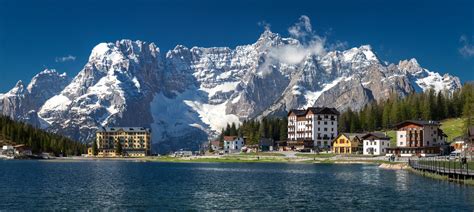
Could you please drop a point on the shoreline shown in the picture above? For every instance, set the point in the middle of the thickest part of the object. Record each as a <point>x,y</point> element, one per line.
<point>244,159</point>
<point>440,177</point>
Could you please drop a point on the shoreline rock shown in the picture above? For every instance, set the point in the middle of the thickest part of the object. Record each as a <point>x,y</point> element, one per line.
<point>394,166</point>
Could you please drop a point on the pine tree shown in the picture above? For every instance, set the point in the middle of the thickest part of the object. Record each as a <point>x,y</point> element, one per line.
<point>118,148</point>
<point>95,150</point>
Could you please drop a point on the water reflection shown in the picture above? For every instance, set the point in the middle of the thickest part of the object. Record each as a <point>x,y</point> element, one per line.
<point>170,186</point>
<point>401,180</point>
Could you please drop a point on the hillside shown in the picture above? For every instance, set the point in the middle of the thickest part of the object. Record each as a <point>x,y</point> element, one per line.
<point>452,127</point>
<point>14,132</point>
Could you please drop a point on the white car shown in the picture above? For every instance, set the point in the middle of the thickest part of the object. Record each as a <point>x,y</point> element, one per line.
<point>454,155</point>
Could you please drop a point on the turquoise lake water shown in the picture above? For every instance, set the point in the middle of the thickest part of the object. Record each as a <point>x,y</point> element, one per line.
<point>39,185</point>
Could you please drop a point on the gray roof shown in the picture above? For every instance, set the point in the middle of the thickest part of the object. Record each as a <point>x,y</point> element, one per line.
<point>126,129</point>
<point>378,135</point>
<point>315,110</point>
<point>353,135</point>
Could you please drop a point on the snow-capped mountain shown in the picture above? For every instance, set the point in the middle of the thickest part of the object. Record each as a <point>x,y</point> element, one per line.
<point>188,94</point>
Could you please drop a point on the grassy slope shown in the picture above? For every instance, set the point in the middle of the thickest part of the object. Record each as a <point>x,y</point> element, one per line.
<point>453,127</point>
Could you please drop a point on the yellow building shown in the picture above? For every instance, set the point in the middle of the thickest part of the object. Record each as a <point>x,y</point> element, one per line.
<point>347,143</point>
<point>135,141</point>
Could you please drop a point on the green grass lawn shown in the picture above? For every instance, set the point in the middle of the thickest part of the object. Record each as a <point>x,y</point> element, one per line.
<point>453,127</point>
<point>263,154</point>
<point>321,155</point>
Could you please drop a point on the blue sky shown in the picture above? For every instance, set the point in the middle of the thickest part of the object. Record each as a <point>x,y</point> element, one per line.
<point>60,34</point>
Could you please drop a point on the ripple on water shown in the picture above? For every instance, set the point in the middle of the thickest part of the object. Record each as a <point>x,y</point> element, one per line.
<point>123,185</point>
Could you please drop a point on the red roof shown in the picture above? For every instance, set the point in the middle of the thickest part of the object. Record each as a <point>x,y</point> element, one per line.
<point>230,138</point>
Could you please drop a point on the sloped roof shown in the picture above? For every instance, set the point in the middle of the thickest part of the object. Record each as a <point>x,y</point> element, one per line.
<point>126,129</point>
<point>230,138</point>
<point>315,110</point>
<point>324,110</point>
<point>297,112</point>
<point>378,135</point>
<point>418,122</point>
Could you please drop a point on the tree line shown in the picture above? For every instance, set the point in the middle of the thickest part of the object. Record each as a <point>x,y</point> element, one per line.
<point>38,140</point>
<point>427,105</point>
<point>269,127</point>
<point>377,115</point>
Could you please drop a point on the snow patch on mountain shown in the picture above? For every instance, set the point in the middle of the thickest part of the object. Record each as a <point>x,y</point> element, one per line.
<point>58,102</point>
<point>312,96</point>
<point>224,87</point>
<point>437,82</point>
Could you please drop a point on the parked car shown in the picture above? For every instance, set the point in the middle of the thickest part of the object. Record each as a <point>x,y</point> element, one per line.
<point>454,155</point>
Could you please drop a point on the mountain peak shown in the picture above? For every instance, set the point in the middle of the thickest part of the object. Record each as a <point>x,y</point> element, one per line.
<point>361,53</point>
<point>411,66</point>
<point>18,89</point>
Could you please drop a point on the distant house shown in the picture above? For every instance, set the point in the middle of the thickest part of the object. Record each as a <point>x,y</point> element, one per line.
<point>266,144</point>
<point>22,150</point>
<point>7,151</point>
<point>418,138</point>
<point>215,145</point>
<point>375,143</point>
<point>347,143</point>
<point>458,145</point>
<point>233,144</point>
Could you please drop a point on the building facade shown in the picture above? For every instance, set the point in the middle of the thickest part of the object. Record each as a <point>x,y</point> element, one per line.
<point>347,143</point>
<point>375,144</point>
<point>420,138</point>
<point>312,128</point>
<point>233,144</point>
<point>135,141</point>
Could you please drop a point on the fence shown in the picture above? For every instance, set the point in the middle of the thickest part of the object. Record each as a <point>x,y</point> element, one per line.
<point>455,169</point>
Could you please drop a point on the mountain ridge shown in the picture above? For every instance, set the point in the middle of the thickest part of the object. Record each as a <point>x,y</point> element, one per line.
<point>189,94</point>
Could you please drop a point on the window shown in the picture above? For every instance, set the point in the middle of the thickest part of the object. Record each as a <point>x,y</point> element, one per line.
<point>325,122</point>
<point>325,129</point>
<point>401,136</point>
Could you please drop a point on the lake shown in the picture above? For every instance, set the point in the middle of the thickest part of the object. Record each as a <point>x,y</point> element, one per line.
<point>39,185</point>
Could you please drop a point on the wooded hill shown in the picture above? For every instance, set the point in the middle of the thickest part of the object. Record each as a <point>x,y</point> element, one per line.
<point>429,105</point>
<point>13,132</point>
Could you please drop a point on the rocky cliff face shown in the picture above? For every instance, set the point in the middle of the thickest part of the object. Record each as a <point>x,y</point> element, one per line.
<point>23,103</point>
<point>189,94</point>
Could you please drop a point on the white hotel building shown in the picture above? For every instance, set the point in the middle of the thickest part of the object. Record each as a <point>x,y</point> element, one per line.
<point>313,127</point>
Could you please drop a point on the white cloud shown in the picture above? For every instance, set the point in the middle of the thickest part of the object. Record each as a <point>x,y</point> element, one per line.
<point>264,24</point>
<point>65,59</point>
<point>467,49</point>
<point>302,29</point>
<point>310,43</point>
